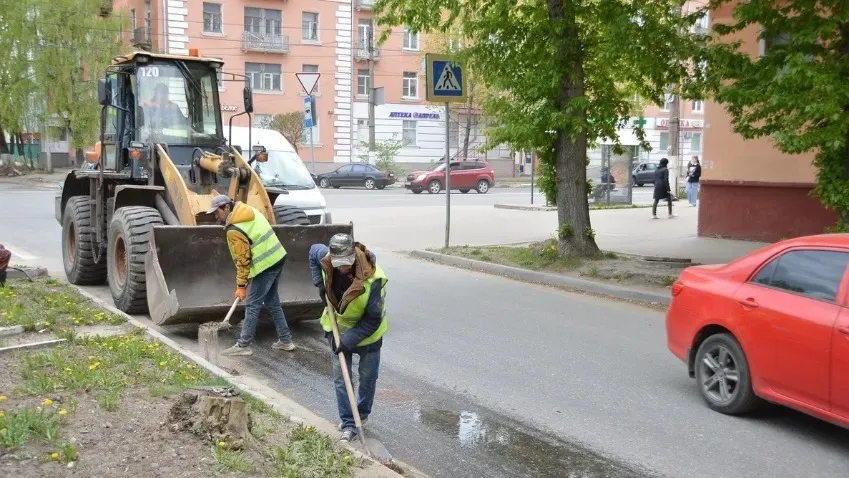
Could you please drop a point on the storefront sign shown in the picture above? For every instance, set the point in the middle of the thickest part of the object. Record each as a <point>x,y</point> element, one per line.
<point>413,115</point>
<point>229,108</point>
<point>663,123</point>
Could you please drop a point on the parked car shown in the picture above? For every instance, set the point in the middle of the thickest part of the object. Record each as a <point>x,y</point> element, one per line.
<point>465,176</point>
<point>770,326</point>
<point>356,174</point>
<point>285,169</point>
<point>643,173</point>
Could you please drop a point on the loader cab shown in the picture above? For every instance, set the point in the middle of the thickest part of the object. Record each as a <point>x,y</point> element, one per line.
<point>158,99</point>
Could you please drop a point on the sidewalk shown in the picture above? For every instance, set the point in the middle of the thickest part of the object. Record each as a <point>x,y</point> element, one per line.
<point>38,177</point>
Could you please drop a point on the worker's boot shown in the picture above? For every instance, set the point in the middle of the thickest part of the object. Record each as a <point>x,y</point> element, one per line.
<point>237,350</point>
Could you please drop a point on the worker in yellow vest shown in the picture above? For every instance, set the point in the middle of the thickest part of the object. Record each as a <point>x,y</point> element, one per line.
<point>347,275</point>
<point>259,258</point>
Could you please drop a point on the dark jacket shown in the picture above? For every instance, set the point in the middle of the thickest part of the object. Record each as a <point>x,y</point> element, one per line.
<point>694,172</point>
<point>370,321</point>
<point>661,183</point>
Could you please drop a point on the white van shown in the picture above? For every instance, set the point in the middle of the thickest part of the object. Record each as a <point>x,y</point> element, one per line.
<point>284,169</point>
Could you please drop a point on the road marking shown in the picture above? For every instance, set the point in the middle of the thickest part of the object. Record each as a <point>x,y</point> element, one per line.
<point>20,253</point>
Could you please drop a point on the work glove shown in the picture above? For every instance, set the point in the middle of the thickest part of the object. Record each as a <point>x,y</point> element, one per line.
<point>322,294</point>
<point>241,293</point>
<point>338,348</point>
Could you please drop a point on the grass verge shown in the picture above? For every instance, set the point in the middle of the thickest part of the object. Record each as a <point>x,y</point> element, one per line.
<point>607,266</point>
<point>101,402</point>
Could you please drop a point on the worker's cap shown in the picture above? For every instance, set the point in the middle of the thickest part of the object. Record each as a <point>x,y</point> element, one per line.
<point>218,201</point>
<point>341,250</point>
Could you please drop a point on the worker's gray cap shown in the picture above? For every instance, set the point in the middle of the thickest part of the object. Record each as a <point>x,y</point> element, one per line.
<point>218,201</point>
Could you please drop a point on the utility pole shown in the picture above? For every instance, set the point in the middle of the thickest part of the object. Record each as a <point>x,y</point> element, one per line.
<point>675,132</point>
<point>371,95</point>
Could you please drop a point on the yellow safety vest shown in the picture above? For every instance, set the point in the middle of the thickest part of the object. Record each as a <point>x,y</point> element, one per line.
<point>266,249</point>
<point>356,308</point>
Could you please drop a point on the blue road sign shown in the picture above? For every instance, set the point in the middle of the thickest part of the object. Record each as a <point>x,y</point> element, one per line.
<point>445,79</point>
<point>308,112</point>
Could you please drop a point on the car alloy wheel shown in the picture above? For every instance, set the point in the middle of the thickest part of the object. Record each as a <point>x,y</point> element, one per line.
<point>324,183</point>
<point>483,186</point>
<point>723,376</point>
<point>434,187</point>
<point>718,374</point>
<point>369,183</point>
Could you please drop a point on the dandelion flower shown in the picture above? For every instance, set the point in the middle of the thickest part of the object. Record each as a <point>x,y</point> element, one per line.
<point>162,363</point>
<point>2,398</point>
<point>221,444</point>
<point>47,324</point>
<point>47,402</point>
<point>63,412</point>
<point>54,456</point>
<point>2,414</point>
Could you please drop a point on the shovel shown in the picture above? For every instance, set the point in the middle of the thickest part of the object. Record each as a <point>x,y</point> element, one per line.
<point>208,335</point>
<point>376,451</point>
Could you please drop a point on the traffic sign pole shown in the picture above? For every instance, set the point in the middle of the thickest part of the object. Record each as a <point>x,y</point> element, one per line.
<point>447,176</point>
<point>312,144</point>
<point>308,81</point>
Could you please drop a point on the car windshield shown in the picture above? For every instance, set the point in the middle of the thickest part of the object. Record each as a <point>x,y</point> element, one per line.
<point>177,104</point>
<point>284,169</point>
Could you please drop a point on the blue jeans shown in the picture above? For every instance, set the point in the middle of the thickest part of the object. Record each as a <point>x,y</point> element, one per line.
<point>692,192</point>
<point>368,370</point>
<point>262,290</point>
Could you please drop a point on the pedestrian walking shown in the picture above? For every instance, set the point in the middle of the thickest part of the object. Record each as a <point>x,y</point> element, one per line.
<point>347,275</point>
<point>694,172</point>
<point>259,258</point>
<point>662,189</point>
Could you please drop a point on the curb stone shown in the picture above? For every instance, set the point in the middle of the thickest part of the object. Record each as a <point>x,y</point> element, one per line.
<point>520,207</point>
<point>543,278</point>
<point>277,401</point>
<point>23,272</point>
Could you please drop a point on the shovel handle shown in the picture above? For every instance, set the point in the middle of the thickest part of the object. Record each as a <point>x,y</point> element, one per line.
<point>344,363</point>
<point>230,312</point>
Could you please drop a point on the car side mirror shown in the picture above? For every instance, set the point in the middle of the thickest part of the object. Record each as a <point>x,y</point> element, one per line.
<point>104,92</point>
<point>249,99</point>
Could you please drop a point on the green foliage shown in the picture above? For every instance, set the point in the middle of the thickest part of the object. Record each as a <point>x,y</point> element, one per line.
<point>291,126</point>
<point>796,93</point>
<point>564,73</point>
<point>311,454</point>
<point>385,153</point>
<point>69,45</point>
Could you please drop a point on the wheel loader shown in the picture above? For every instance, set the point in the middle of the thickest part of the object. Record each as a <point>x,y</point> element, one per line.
<point>135,215</point>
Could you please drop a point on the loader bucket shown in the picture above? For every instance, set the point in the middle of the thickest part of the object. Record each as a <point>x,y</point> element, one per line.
<point>191,276</point>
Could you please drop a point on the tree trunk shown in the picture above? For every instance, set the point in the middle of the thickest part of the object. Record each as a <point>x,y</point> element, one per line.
<point>575,235</point>
<point>468,129</point>
<point>217,412</point>
<point>4,146</point>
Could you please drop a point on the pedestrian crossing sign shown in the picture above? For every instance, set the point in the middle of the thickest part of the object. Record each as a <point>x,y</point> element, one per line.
<point>445,79</point>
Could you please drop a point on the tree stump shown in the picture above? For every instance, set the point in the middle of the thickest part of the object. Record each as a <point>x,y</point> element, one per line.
<point>217,413</point>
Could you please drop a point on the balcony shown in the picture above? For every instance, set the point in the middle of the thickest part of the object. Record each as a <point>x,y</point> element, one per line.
<point>362,52</point>
<point>141,37</point>
<point>365,4</point>
<point>265,43</point>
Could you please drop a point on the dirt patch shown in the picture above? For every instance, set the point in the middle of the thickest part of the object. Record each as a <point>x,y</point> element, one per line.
<point>637,273</point>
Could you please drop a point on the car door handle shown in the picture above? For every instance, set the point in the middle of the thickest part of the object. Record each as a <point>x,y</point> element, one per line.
<point>749,302</point>
<point>843,329</point>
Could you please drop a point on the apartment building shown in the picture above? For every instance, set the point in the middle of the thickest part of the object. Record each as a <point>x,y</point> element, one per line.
<point>269,41</point>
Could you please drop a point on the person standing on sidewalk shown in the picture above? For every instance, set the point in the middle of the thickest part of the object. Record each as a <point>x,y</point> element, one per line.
<point>662,189</point>
<point>259,258</point>
<point>347,275</point>
<point>694,172</point>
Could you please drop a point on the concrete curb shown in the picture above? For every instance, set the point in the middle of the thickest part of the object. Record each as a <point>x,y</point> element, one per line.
<point>22,272</point>
<point>277,401</point>
<point>543,278</point>
<point>33,346</point>
<point>519,207</point>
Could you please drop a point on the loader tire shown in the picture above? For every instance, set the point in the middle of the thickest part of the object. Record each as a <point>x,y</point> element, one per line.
<point>290,216</point>
<point>129,238</point>
<point>78,244</point>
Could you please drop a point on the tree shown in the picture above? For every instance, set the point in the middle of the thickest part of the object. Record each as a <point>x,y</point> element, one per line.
<point>71,44</point>
<point>16,77</point>
<point>564,72</point>
<point>468,113</point>
<point>385,152</point>
<point>291,126</point>
<point>797,92</point>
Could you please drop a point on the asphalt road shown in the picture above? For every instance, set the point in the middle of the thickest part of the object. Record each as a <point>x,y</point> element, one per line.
<point>484,376</point>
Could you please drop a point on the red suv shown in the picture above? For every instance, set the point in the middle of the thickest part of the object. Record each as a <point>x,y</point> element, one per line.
<point>465,176</point>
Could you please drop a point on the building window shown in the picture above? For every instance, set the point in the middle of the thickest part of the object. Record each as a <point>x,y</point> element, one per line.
<point>362,81</point>
<point>312,69</point>
<point>219,73</point>
<point>133,17</point>
<point>698,106</point>
<point>364,29</point>
<point>262,121</point>
<point>701,25</point>
<point>696,143</point>
<point>663,147</point>
<point>263,22</point>
<point>411,39</point>
<point>408,132</point>
<point>264,76</point>
<point>667,102</point>
<point>309,26</point>
<point>411,85</point>
<point>305,139</point>
<point>362,130</point>
<point>211,17</point>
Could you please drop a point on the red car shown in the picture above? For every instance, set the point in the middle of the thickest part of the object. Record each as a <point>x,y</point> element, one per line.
<point>772,325</point>
<point>465,176</point>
